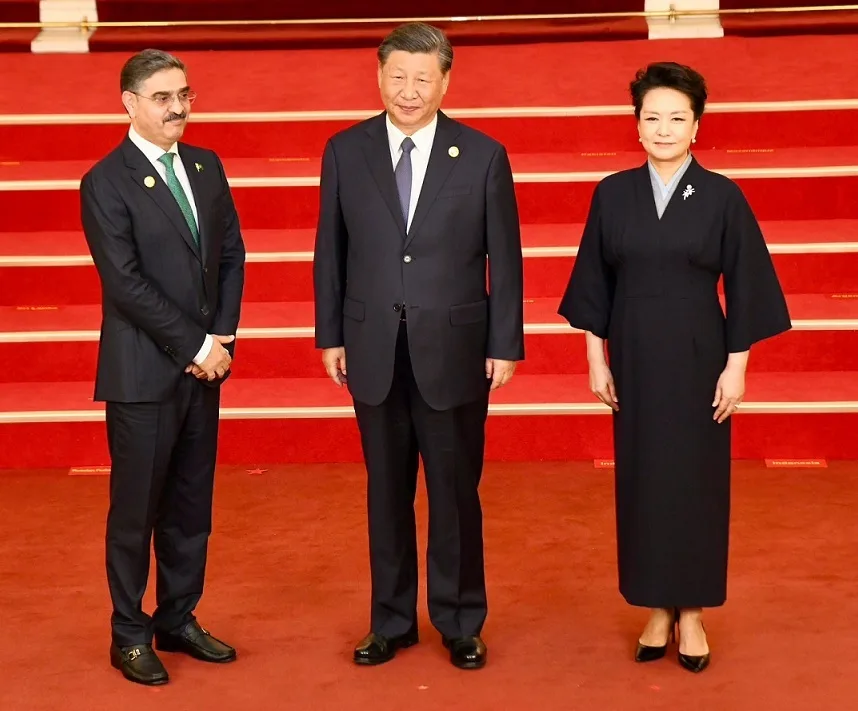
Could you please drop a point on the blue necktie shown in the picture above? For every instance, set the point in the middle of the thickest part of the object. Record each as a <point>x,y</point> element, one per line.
<point>403,178</point>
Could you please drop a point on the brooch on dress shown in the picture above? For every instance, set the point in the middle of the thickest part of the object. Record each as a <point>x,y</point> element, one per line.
<point>688,192</point>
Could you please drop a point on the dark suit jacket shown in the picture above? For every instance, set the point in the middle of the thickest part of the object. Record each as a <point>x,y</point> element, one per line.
<point>161,294</point>
<point>366,267</point>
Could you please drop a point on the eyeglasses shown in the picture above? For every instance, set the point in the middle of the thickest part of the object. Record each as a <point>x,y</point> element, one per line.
<point>165,100</point>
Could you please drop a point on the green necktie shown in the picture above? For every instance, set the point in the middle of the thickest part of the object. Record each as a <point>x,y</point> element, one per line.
<point>178,193</point>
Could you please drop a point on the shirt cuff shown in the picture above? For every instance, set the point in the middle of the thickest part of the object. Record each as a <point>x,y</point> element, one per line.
<point>204,350</point>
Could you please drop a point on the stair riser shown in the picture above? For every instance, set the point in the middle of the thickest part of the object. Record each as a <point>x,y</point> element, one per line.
<point>761,131</point>
<point>538,203</point>
<point>545,277</point>
<point>510,438</point>
<point>796,351</point>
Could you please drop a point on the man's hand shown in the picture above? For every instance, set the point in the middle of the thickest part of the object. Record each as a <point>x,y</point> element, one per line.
<point>500,371</point>
<point>218,360</point>
<point>334,360</point>
<point>197,371</point>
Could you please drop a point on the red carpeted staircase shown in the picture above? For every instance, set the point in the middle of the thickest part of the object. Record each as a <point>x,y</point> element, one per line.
<point>794,155</point>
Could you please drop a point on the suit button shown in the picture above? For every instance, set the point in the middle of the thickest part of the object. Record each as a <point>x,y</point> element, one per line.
<point>407,259</point>
<point>206,270</point>
<point>204,310</point>
<point>396,307</point>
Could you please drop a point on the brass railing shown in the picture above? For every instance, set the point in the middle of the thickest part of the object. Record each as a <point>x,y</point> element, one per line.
<point>672,15</point>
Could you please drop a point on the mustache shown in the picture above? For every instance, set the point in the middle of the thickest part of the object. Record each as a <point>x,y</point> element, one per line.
<point>176,117</point>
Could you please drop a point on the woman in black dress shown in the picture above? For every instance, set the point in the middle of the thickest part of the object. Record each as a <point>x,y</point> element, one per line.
<point>645,283</point>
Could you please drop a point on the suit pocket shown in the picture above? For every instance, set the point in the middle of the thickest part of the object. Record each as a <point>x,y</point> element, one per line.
<point>463,314</point>
<point>355,310</point>
<point>454,191</point>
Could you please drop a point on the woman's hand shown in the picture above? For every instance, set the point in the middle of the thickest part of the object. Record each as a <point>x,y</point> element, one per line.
<point>729,392</point>
<point>602,384</point>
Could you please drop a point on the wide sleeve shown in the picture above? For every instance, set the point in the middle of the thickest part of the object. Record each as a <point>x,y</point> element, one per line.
<point>589,295</point>
<point>756,306</point>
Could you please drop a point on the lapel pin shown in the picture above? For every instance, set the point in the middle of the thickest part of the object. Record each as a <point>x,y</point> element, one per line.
<point>149,181</point>
<point>454,151</point>
<point>688,192</point>
<point>199,167</point>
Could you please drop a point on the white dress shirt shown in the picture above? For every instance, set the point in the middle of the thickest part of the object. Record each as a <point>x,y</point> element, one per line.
<point>153,153</point>
<point>423,140</point>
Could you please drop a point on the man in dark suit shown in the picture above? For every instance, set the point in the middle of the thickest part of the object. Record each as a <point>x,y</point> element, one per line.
<point>164,235</point>
<point>412,203</point>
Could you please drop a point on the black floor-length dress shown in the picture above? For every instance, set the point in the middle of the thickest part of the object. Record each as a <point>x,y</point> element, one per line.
<point>650,287</point>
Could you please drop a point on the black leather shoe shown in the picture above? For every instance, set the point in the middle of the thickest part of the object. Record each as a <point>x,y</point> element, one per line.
<point>645,653</point>
<point>467,652</point>
<point>139,664</point>
<point>694,664</point>
<point>375,649</point>
<point>196,642</point>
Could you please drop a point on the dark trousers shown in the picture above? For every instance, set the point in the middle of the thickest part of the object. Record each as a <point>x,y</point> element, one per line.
<point>451,444</point>
<point>161,482</point>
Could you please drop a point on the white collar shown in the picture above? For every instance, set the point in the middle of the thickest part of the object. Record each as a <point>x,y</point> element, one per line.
<point>422,138</point>
<point>150,150</point>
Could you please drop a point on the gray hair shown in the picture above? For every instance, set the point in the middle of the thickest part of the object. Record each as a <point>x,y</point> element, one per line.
<point>143,65</point>
<point>418,38</point>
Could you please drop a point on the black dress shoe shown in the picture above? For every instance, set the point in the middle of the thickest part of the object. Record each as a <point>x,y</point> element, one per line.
<point>375,649</point>
<point>694,664</point>
<point>196,642</point>
<point>467,652</point>
<point>690,662</point>
<point>139,664</point>
<point>646,653</point>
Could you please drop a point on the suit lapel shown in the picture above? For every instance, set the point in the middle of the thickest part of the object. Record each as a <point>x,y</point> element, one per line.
<point>143,172</point>
<point>377,152</point>
<point>441,163</point>
<point>201,199</point>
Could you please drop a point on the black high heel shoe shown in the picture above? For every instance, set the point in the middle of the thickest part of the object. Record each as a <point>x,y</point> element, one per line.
<point>645,653</point>
<point>695,664</point>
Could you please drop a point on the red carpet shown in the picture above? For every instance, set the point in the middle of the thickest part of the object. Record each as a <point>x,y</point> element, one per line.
<point>288,421</point>
<point>17,39</point>
<point>321,35</point>
<point>19,10</point>
<point>286,136</point>
<point>802,396</point>
<point>53,269</point>
<point>299,81</point>
<point>29,339</point>
<point>366,36</point>
<point>130,10</point>
<point>288,571</point>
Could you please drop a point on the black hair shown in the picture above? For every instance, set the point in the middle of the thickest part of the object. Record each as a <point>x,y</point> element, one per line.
<point>669,75</point>
<point>418,38</point>
<point>143,65</point>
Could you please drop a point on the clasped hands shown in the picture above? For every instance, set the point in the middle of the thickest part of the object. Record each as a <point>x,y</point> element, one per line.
<point>217,362</point>
<point>334,360</point>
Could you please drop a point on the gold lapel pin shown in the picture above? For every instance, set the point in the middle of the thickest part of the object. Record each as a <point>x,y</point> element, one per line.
<point>149,181</point>
<point>199,167</point>
<point>454,151</point>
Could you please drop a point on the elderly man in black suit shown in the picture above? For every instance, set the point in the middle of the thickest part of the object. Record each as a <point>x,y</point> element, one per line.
<point>414,207</point>
<point>165,238</point>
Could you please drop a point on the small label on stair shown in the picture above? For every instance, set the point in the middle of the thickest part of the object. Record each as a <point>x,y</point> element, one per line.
<point>796,464</point>
<point>37,308</point>
<point>89,471</point>
<point>843,296</point>
<point>603,463</point>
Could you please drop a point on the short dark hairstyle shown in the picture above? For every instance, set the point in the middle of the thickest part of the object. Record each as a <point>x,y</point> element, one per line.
<point>669,75</point>
<point>418,38</point>
<point>143,65</point>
